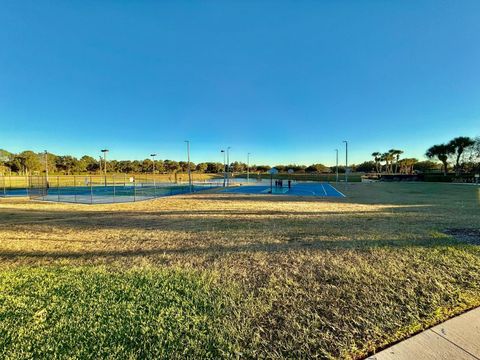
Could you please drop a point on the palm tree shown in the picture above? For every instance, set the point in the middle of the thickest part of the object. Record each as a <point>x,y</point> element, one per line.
<point>385,157</point>
<point>406,165</point>
<point>394,157</point>
<point>390,158</point>
<point>458,146</point>
<point>397,158</point>
<point>377,158</point>
<point>412,163</point>
<point>441,152</point>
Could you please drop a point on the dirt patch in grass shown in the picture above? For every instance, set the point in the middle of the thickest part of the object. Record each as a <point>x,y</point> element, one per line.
<point>468,236</point>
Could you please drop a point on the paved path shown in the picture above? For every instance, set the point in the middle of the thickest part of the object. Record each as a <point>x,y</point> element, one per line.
<point>457,338</point>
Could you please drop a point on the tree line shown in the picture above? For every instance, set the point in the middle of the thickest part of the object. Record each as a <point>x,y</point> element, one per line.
<point>30,163</point>
<point>462,154</point>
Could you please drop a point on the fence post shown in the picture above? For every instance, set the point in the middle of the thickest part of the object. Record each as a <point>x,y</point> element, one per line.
<point>134,188</point>
<point>4,189</point>
<point>154,187</point>
<point>58,188</point>
<point>113,179</point>
<point>74,188</point>
<point>44,188</point>
<point>91,190</point>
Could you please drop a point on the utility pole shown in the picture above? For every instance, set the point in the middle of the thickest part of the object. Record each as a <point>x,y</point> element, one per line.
<point>153,168</point>
<point>153,160</point>
<point>224,169</point>
<point>346,160</point>
<point>228,166</point>
<point>336,170</point>
<point>248,167</point>
<point>105,151</point>
<point>188,164</point>
<point>46,167</point>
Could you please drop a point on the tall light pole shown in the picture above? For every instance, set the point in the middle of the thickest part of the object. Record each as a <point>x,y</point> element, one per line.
<point>105,151</point>
<point>153,167</point>
<point>346,160</point>
<point>228,165</point>
<point>46,167</point>
<point>153,160</point>
<point>188,164</point>
<point>248,167</point>
<point>224,169</point>
<point>336,168</point>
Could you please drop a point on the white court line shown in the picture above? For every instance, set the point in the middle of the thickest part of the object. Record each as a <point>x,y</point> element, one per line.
<point>304,192</point>
<point>325,191</point>
<point>337,190</point>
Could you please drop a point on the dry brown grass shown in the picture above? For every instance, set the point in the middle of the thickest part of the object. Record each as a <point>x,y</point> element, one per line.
<point>328,278</point>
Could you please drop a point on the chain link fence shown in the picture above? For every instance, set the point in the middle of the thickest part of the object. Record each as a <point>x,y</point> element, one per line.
<point>13,185</point>
<point>97,189</point>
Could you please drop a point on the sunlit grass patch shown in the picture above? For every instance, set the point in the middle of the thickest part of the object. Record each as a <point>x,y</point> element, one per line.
<point>347,302</point>
<point>86,312</point>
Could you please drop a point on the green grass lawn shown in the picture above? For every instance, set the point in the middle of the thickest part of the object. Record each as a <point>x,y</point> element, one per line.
<point>226,275</point>
<point>91,313</point>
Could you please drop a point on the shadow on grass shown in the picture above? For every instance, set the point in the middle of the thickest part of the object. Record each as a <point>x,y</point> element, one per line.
<point>209,226</point>
<point>359,245</point>
<point>122,219</point>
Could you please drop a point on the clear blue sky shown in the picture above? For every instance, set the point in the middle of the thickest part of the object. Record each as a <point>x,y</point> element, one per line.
<point>284,80</point>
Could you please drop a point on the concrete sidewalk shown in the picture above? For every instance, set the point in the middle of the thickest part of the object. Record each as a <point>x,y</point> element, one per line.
<point>457,338</point>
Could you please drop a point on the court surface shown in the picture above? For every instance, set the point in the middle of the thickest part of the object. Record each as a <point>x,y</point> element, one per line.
<point>319,189</point>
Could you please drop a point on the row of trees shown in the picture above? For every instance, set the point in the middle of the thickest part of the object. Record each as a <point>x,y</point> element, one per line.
<point>29,162</point>
<point>390,163</point>
<point>404,166</point>
<point>463,152</point>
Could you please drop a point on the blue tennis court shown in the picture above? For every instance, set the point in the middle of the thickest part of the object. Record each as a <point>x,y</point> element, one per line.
<point>318,189</point>
<point>13,192</point>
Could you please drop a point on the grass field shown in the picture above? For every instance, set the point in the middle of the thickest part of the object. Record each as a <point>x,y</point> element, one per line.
<point>221,276</point>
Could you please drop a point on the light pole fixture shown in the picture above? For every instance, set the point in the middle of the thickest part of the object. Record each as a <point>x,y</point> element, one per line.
<point>346,160</point>
<point>336,168</point>
<point>188,164</point>
<point>105,151</point>
<point>248,167</point>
